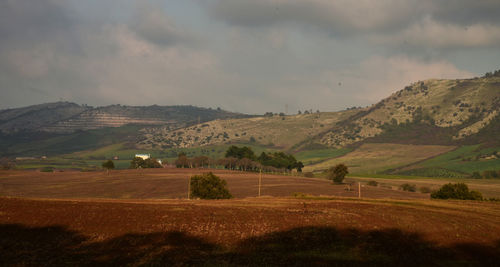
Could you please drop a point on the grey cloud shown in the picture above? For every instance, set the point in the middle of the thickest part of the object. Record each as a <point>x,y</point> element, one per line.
<point>346,17</point>
<point>156,27</point>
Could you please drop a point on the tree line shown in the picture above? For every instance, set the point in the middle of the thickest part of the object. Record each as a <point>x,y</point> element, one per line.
<point>244,159</point>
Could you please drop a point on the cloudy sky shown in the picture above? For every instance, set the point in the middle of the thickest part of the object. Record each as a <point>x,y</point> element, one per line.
<point>248,56</point>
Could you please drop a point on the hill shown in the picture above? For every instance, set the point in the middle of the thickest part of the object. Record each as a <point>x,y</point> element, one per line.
<point>65,117</point>
<point>431,112</point>
<point>275,131</point>
<point>63,127</point>
<point>426,112</point>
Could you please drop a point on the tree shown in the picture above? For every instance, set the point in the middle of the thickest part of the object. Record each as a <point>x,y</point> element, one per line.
<point>240,152</point>
<point>299,166</point>
<point>136,163</point>
<point>144,163</point>
<point>337,173</point>
<point>457,191</point>
<point>209,186</point>
<point>182,161</point>
<point>108,165</point>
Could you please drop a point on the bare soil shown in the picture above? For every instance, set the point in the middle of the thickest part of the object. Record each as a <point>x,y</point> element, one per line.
<point>253,231</point>
<point>173,183</point>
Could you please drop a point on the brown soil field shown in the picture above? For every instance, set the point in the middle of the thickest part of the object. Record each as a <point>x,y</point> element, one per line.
<point>172,183</point>
<point>252,231</point>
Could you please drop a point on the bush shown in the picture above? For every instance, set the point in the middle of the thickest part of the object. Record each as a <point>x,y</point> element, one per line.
<point>337,173</point>
<point>209,186</point>
<point>47,169</point>
<point>408,187</point>
<point>309,174</point>
<point>147,163</point>
<point>372,183</point>
<point>108,165</point>
<point>424,189</point>
<point>475,175</point>
<point>456,191</point>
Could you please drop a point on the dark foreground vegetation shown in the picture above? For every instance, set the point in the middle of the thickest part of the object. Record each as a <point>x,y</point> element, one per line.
<point>303,246</point>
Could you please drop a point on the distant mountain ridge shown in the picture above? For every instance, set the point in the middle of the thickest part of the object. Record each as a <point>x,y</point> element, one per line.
<point>67,117</point>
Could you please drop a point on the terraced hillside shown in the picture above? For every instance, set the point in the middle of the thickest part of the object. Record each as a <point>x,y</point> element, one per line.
<point>65,117</point>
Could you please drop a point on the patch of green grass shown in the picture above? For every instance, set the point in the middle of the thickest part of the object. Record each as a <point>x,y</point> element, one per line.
<point>433,172</point>
<point>466,159</point>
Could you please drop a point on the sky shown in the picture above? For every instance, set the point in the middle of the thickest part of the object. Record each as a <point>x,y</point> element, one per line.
<point>252,56</point>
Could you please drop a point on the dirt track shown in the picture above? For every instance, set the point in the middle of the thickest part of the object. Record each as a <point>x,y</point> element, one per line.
<point>171,183</point>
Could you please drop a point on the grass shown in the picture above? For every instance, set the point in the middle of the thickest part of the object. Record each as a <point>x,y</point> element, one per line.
<point>465,159</point>
<point>377,158</point>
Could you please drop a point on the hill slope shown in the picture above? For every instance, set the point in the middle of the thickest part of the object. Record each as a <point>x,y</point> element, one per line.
<point>65,117</point>
<point>432,112</point>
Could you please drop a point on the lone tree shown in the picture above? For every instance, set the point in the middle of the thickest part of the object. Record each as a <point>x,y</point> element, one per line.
<point>337,173</point>
<point>209,186</point>
<point>457,191</point>
<point>108,165</point>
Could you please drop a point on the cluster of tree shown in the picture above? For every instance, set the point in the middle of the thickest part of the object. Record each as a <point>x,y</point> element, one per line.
<point>492,74</point>
<point>208,186</point>
<point>489,174</point>
<point>137,163</point>
<point>456,191</point>
<point>243,158</point>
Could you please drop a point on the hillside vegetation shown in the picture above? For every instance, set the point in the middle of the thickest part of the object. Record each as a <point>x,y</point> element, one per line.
<point>437,112</point>
<point>275,131</point>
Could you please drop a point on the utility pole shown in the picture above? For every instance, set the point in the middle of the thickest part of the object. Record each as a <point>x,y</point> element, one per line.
<point>260,180</point>
<point>359,189</point>
<point>189,186</point>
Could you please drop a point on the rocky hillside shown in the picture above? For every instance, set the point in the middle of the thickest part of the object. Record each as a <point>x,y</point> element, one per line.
<point>425,112</point>
<point>277,131</point>
<point>462,108</point>
<point>65,117</point>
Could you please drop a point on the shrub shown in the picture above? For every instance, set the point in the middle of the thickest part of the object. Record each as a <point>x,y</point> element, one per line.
<point>108,165</point>
<point>47,169</point>
<point>372,183</point>
<point>209,186</point>
<point>456,191</point>
<point>309,174</point>
<point>408,187</point>
<point>475,175</point>
<point>337,173</point>
<point>424,189</point>
<point>490,174</point>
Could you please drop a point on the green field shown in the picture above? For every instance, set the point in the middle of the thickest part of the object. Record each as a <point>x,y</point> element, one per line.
<point>465,160</point>
<point>377,158</point>
<point>91,159</point>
